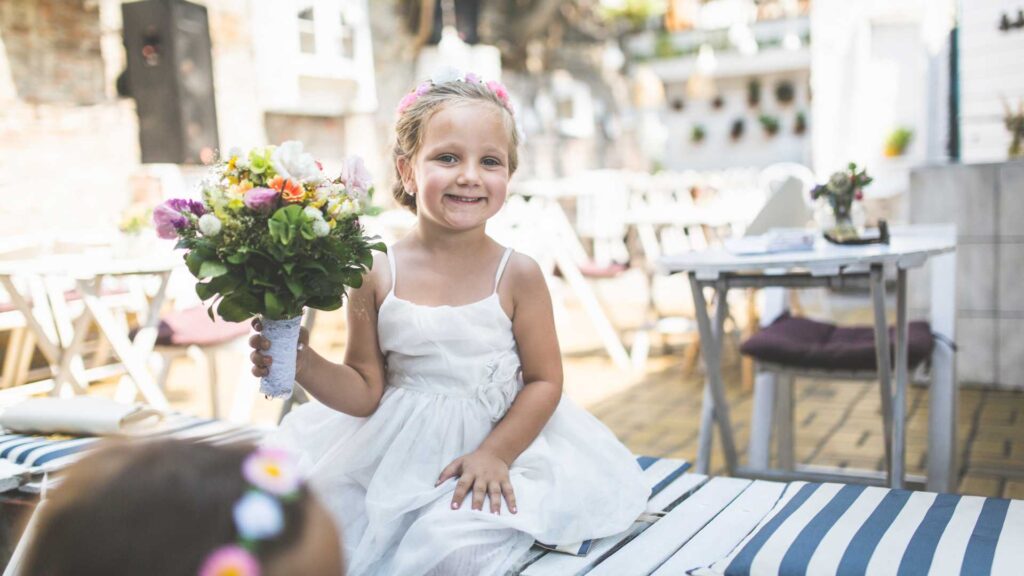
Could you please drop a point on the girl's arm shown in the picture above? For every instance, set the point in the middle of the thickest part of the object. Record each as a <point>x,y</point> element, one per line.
<point>485,471</point>
<point>533,325</point>
<point>356,386</point>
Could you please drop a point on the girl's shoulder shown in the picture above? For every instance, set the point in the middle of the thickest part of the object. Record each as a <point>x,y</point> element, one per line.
<point>522,276</point>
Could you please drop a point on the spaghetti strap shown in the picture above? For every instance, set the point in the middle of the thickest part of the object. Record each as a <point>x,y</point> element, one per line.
<point>501,268</point>
<point>390,255</point>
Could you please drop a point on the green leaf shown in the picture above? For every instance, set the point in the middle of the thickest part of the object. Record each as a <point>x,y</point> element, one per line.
<point>193,260</point>
<point>239,306</point>
<point>211,269</point>
<point>239,257</point>
<point>288,267</point>
<point>274,308</point>
<point>294,286</point>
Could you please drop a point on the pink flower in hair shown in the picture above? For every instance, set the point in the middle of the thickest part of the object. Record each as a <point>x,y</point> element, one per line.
<point>230,560</point>
<point>471,77</point>
<point>407,101</point>
<point>501,92</point>
<point>423,88</point>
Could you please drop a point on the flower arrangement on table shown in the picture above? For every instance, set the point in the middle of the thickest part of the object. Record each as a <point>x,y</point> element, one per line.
<point>271,236</point>
<point>843,188</point>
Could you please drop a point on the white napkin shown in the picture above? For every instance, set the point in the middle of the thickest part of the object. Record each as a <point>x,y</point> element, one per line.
<point>78,415</point>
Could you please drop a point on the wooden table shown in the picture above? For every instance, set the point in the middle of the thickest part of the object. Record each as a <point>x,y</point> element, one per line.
<point>61,338</point>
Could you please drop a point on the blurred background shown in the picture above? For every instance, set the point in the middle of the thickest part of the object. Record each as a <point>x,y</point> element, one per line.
<point>108,108</point>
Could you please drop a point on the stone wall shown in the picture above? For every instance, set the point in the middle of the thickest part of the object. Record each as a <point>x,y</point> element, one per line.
<point>986,202</point>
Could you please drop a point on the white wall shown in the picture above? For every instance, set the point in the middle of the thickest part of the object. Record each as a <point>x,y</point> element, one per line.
<point>877,66</point>
<point>990,70</point>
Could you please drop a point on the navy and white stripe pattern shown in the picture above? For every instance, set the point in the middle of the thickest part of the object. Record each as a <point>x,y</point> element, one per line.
<point>659,473</point>
<point>846,529</point>
<point>40,453</point>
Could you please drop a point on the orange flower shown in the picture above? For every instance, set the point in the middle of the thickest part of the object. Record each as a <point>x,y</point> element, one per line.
<point>291,191</point>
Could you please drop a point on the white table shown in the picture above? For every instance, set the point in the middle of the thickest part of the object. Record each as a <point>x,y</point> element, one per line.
<point>829,265</point>
<point>61,340</point>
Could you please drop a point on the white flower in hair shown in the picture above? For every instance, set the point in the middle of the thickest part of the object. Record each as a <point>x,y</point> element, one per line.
<point>446,74</point>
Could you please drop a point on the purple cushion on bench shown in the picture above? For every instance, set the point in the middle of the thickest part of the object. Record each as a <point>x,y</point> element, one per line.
<point>805,343</point>
<point>193,326</point>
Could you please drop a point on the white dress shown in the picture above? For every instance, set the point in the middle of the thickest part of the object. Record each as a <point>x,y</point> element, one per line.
<point>452,373</point>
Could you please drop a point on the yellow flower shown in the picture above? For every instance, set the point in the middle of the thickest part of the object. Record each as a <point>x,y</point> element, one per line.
<point>236,204</point>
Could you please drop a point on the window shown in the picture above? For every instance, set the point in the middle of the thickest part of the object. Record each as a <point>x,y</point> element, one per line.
<point>345,37</point>
<point>307,31</point>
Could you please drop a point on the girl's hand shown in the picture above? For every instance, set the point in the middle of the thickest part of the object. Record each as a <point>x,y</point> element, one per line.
<point>260,363</point>
<point>483,473</point>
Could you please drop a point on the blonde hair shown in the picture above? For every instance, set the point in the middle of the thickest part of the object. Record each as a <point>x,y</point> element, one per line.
<point>413,119</point>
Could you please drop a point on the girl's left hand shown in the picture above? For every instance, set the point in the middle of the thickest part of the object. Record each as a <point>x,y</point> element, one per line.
<point>485,474</point>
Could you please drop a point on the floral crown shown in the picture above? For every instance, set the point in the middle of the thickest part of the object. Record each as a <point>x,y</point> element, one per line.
<point>259,516</point>
<point>449,74</point>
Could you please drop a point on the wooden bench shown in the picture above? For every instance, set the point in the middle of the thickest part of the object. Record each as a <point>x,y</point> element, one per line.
<point>693,521</point>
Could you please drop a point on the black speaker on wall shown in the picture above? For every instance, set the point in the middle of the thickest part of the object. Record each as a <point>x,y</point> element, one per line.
<point>170,75</point>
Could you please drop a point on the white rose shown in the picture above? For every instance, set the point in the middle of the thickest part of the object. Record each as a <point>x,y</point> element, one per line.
<point>356,177</point>
<point>349,206</point>
<point>242,163</point>
<point>446,74</point>
<point>312,213</point>
<point>321,228</point>
<point>209,225</point>
<point>292,163</point>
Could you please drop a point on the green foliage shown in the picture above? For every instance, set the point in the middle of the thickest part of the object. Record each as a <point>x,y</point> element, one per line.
<point>274,266</point>
<point>898,140</point>
<point>769,123</point>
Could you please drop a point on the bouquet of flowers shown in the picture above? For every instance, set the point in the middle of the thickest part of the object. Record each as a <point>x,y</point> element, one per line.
<point>271,236</point>
<point>842,189</point>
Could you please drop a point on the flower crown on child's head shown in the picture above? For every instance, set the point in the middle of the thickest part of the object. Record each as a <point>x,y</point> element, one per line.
<point>450,74</point>
<point>259,514</point>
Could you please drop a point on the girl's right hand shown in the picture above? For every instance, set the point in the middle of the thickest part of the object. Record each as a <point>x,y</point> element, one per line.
<point>260,363</point>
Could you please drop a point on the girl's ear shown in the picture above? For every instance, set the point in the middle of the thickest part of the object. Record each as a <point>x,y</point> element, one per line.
<point>406,171</point>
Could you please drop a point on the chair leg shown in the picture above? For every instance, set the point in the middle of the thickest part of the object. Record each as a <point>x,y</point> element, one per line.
<point>784,439</point>
<point>210,357</point>
<point>12,357</point>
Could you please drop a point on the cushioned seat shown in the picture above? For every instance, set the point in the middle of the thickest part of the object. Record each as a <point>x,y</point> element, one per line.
<point>804,343</point>
<point>193,327</point>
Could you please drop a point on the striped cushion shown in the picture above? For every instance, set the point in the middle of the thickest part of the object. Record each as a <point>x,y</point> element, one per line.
<point>852,529</point>
<point>48,453</point>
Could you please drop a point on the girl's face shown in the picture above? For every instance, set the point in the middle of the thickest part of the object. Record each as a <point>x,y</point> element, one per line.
<point>460,174</point>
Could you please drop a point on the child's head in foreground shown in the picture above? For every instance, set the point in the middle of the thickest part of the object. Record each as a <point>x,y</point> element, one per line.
<point>176,508</point>
<point>455,148</point>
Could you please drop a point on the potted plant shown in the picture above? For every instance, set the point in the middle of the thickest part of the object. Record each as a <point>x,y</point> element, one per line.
<point>717,102</point>
<point>785,92</point>
<point>769,123</point>
<point>1015,124</point>
<point>754,93</point>
<point>736,131</point>
<point>837,198</point>
<point>897,142</point>
<point>800,123</point>
<point>697,134</point>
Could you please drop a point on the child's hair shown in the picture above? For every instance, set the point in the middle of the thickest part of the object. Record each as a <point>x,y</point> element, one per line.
<point>154,508</point>
<point>412,121</point>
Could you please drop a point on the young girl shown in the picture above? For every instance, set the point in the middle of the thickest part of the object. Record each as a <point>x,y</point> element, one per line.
<point>443,444</point>
<point>172,507</point>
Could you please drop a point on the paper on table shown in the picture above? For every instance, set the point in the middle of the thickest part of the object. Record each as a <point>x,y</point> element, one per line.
<point>78,415</point>
<point>772,242</point>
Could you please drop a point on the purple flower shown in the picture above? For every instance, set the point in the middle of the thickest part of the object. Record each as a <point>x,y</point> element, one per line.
<point>261,199</point>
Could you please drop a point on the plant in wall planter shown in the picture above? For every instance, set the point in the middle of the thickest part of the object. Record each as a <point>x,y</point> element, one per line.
<point>800,123</point>
<point>697,134</point>
<point>785,92</point>
<point>736,131</point>
<point>1015,124</point>
<point>897,142</point>
<point>769,123</point>
<point>754,93</point>
<point>717,102</point>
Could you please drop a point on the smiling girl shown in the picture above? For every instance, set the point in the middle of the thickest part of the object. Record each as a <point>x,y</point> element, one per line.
<point>443,443</point>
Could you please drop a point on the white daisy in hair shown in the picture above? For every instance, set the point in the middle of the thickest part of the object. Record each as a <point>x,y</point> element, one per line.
<point>447,74</point>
